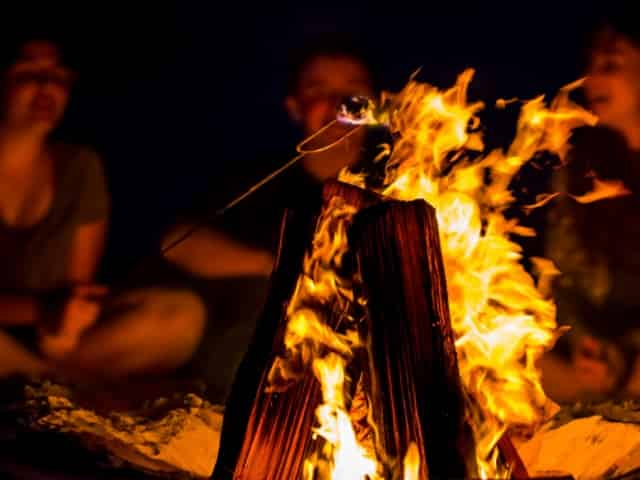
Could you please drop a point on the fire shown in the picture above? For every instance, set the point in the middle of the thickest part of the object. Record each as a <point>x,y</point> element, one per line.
<point>503,320</point>
<point>320,292</point>
<point>603,189</point>
<point>350,460</point>
<point>308,332</point>
<point>411,463</point>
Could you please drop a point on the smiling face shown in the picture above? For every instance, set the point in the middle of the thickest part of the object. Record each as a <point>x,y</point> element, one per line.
<point>613,83</point>
<point>36,89</point>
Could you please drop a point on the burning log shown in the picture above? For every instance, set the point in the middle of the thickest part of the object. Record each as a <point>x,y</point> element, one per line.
<point>410,371</point>
<point>296,231</point>
<point>416,390</point>
<point>266,435</point>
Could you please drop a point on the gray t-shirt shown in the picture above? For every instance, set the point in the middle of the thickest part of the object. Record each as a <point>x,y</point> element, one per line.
<point>36,258</point>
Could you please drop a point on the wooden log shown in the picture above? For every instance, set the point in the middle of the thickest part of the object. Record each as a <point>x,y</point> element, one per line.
<point>411,367</point>
<point>267,435</point>
<point>416,388</point>
<point>296,231</point>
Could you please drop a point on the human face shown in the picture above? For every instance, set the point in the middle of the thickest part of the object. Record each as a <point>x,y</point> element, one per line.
<point>36,89</point>
<point>613,83</point>
<point>324,82</point>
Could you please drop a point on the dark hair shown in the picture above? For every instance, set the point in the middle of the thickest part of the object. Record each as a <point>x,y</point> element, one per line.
<point>332,46</point>
<point>619,21</point>
<point>11,48</point>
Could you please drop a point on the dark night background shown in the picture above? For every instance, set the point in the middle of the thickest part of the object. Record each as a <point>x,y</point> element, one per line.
<point>173,93</point>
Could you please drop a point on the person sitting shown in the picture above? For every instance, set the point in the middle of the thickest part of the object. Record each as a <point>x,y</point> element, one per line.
<point>230,259</point>
<point>244,240</point>
<point>54,210</point>
<point>596,246</point>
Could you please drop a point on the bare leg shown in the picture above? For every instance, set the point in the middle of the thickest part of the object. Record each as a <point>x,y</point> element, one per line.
<point>15,358</point>
<point>157,330</point>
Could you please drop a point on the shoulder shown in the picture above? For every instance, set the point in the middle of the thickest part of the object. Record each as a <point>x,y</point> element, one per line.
<point>81,182</point>
<point>77,162</point>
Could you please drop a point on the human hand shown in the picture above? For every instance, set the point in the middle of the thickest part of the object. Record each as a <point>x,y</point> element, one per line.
<point>79,313</point>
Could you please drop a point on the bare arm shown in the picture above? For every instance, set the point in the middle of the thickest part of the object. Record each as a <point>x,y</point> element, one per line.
<point>87,247</point>
<point>213,254</point>
<point>86,251</point>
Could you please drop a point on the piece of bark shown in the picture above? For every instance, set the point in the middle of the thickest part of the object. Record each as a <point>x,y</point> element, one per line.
<point>416,388</point>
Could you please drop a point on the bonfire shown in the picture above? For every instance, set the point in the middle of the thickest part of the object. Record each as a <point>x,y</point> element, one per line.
<point>502,317</point>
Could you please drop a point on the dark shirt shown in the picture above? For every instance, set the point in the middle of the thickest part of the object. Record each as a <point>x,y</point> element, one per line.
<point>235,303</point>
<point>256,220</point>
<point>36,258</point>
<point>597,245</point>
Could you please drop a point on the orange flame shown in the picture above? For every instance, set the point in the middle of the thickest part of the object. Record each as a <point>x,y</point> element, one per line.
<point>412,463</point>
<point>308,337</point>
<point>308,331</point>
<point>603,189</point>
<point>501,318</point>
<point>350,460</point>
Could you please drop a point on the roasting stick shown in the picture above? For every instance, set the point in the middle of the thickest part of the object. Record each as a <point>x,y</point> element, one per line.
<point>302,152</point>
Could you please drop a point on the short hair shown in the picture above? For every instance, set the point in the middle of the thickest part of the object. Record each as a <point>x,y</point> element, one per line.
<point>11,48</point>
<point>332,46</point>
<point>619,21</point>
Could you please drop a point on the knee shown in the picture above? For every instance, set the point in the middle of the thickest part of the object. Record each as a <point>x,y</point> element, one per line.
<point>183,312</point>
<point>180,317</point>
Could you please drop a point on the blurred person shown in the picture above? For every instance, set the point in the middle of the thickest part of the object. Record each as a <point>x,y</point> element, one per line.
<point>54,209</point>
<point>323,74</point>
<point>596,245</point>
<point>234,254</point>
<point>232,257</point>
